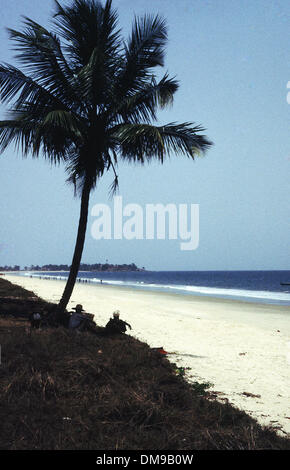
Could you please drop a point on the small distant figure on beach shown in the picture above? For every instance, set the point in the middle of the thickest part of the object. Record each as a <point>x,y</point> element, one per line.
<point>115,325</point>
<point>35,320</point>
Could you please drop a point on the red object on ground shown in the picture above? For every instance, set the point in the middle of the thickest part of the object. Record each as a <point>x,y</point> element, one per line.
<point>161,350</point>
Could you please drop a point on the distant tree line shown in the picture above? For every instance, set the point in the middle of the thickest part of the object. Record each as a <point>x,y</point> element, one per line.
<point>86,267</point>
<point>10,268</point>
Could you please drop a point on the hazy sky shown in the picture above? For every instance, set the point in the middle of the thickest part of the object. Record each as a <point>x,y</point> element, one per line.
<point>232,60</point>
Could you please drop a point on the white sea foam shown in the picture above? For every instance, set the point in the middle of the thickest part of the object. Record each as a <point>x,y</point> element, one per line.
<point>266,296</point>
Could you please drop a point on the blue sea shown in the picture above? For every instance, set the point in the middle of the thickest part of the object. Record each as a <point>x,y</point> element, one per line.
<point>250,286</point>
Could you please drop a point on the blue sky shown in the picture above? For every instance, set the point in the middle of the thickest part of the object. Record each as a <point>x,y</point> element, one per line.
<point>232,61</point>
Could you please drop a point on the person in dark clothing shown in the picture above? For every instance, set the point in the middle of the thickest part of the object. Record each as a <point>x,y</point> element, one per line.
<point>35,319</point>
<point>115,325</point>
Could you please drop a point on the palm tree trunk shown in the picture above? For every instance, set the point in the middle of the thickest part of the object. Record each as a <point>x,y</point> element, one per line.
<point>78,248</point>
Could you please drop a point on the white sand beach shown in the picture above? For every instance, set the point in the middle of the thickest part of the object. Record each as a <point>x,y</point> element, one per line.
<point>240,347</point>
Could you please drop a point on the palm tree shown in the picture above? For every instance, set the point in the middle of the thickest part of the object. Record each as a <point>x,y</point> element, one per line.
<point>88,98</point>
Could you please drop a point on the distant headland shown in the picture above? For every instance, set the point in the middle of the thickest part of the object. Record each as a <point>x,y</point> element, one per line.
<point>83,267</point>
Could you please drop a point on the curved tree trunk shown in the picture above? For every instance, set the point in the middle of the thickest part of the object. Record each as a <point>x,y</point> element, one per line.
<point>78,249</point>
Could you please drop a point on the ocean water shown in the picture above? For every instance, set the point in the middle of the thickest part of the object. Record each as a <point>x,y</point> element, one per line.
<point>250,286</point>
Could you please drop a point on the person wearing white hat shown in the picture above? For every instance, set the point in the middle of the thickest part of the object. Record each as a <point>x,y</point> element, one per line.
<point>115,325</point>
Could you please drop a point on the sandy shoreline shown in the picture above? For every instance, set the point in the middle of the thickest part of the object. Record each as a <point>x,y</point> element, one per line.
<point>238,346</point>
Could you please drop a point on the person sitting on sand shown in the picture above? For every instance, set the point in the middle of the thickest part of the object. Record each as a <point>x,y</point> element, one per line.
<point>35,319</point>
<point>77,318</point>
<point>115,325</point>
<point>81,320</point>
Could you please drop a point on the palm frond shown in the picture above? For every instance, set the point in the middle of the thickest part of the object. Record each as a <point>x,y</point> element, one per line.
<point>31,137</point>
<point>143,51</point>
<point>40,52</point>
<point>87,25</point>
<point>115,184</point>
<point>93,41</point>
<point>66,122</point>
<point>142,106</point>
<point>83,168</point>
<point>141,142</point>
<point>147,41</point>
<point>15,84</point>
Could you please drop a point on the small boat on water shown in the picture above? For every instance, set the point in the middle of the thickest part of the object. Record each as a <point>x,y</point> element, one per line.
<point>284,283</point>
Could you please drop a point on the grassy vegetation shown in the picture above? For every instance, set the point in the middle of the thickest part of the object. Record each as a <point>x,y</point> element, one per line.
<point>9,290</point>
<point>60,389</point>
